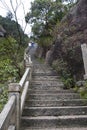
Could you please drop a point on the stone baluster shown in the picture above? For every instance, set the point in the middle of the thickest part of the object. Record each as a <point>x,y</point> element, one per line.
<point>29,65</point>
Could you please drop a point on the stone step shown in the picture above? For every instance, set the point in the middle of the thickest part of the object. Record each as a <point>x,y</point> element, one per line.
<point>61,96</point>
<point>51,103</point>
<point>49,107</point>
<point>46,78</point>
<point>44,74</point>
<point>53,90</point>
<point>51,82</point>
<point>55,111</point>
<point>55,122</point>
<point>30,91</point>
<point>74,128</point>
<point>47,83</point>
<point>42,70</point>
<point>45,87</point>
<point>41,67</point>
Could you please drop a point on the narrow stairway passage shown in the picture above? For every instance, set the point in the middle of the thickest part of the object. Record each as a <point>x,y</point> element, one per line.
<point>49,107</point>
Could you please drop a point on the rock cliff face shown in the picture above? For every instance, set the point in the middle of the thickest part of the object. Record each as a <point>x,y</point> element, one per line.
<point>71,33</point>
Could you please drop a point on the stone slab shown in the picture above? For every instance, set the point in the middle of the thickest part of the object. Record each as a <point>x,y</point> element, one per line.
<point>51,103</point>
<point>55,111</point>
<point>55,122</point>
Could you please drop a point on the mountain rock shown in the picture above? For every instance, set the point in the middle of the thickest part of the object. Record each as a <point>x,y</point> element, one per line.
<point>71,33</point>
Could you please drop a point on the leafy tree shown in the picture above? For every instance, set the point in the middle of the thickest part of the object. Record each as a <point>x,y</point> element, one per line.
<point>11,27</point>
<point>8,60</point>
<point>43,15</point>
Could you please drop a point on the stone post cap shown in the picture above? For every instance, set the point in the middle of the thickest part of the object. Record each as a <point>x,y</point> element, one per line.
<point>14,87</point>
<point>29,64</point>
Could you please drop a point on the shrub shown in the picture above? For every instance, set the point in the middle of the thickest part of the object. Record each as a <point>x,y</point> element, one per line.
<point>61,67</point>
<point>3,95</point>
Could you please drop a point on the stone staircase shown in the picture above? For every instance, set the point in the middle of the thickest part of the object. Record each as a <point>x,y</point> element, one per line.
<point>49,107</point>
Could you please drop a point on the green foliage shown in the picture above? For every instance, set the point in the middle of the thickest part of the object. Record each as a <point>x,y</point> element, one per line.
<point>83,94</point>
<point>10,59</point>
<point>76,88</point>
<point>3,95</point>
<point>83,91</point>
<point>61,67</point>
<point>7,71</point>
<point>41,60</point>
<point>43,16</point>
<point>68,81</point>
<point>8,47</point>
<point>13,28</point>
<point>11,55</point>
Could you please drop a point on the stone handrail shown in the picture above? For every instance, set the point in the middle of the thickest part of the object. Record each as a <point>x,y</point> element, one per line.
<point>7,112</point>
<point>10,115</point>
<point>23,79</point>
<point>23,96</point>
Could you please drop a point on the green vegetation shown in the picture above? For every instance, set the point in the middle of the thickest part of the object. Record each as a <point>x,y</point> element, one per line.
<point>41,60</point>
<point>3,95</point>
<point>44,16</point>
<point>83,91</point>
<point>62,69</point>
<point>12,47</point>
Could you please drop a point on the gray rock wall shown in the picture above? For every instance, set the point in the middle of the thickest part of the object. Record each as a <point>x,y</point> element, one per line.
<point>71,33</point>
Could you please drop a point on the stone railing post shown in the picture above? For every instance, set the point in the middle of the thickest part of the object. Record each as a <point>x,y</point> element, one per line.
<point>14,89</point>
<point>29,65</point>
<point>84,55</point>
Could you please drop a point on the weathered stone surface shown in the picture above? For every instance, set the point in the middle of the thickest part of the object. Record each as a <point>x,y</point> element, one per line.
<point>48,105</point>
<point>52,121</point>
<point>53,96</point>
<point>71,33</point>
<point>51,103</point>
<point>48,59</point>
<point>55,111</point>
<point>81,128</point>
